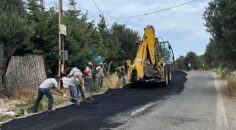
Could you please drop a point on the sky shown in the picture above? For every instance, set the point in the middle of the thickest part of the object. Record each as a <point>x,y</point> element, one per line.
<point>183,26</point>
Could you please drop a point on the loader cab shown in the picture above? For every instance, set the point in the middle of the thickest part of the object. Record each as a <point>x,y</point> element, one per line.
<point>167,52</point>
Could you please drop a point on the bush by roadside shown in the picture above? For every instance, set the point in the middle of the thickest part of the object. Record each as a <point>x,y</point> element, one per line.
<point>230,77</point>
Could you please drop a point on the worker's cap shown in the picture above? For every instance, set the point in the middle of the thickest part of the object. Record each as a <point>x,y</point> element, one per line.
<point>90,63</point>
<point>57,77</point>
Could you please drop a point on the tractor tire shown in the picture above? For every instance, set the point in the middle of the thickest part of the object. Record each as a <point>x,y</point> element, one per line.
<point>166,75</point>
<point>169,75</point>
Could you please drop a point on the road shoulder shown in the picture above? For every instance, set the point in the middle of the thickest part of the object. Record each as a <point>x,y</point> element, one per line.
<point>228,104</point>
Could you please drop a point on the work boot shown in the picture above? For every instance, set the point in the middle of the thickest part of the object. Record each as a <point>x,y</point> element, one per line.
<point>76,103</point>
<point>72,100</point>
<point>34,111</point>
<point>83,99</point>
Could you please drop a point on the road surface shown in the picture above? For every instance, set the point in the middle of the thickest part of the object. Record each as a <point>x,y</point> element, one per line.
<point>192,101</point>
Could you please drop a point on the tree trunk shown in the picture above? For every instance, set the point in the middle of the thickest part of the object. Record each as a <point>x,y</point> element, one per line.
<point>1,65</point>
<point>25,72</point>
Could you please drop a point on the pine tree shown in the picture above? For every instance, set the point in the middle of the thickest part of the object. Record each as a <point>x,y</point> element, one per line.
<point>15,31</point>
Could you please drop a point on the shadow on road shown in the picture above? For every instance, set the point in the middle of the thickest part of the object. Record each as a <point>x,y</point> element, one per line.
<point>96,116</point>
<point>155,84</point>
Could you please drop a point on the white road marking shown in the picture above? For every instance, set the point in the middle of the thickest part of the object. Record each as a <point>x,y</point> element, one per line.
<point>221,119</point>
<point>139,110</point>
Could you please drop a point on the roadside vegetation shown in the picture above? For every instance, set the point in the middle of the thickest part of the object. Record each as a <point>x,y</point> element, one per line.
<point>197,62</point>
<point>229,77</point>
<point>220,53</point>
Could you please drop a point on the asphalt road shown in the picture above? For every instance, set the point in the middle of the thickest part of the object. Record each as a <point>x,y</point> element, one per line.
<point>201,106</point>
<point>191,101</point>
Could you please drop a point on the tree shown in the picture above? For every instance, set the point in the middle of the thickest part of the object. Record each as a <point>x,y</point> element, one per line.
<point>82,39</point>
<point>119,43</point>
<point>44,40</point>
<point>128,39</point>
<point>110,48</point>
<point>85,41</point>
<point>15,31</point>
<point>196,61</point>
<point>193,59</point>
<point>220,20</point>
<point>211,55</point>
<point>179,63</point>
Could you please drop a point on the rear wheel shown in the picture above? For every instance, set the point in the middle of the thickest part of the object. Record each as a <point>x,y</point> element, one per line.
<point>166,77</point>
<point>169,75</point>
<point>132,85</point>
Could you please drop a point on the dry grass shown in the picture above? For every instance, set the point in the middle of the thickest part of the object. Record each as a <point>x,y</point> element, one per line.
<point>230,78</point>
<point>23,93</point>
<point>113,82</point>
<point>4,118</point>
<point>231,87</point>
<point>23,101</point>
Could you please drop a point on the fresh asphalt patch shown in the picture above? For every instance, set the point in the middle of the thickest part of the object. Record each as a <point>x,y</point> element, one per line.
<point>96,116</point>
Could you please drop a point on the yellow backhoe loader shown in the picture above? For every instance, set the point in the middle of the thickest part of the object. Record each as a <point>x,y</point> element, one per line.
<point>154,60</point>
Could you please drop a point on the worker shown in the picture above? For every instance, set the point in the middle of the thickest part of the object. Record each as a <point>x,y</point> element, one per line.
<point>75,83</point>
<point>189,66</point>
<point>88,76</point>
<point>99,75</point>
<point>44,89</point>
<point>121,73</point>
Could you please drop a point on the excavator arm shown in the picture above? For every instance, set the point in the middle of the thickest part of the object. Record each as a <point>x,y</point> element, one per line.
<point>146,52</point>
<point>149,38</point>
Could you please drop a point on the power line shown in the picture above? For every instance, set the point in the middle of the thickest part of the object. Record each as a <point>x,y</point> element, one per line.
<point>156,11</point>
<point>95,3</point>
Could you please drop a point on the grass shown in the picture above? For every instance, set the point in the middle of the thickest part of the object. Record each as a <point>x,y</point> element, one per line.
<point>112,82</point>
<point>4,118</point>
<point>231,82</point>
<point>23,93</point>
<point>23,100</point>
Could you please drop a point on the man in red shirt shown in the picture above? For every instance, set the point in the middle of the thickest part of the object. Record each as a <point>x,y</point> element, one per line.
<point>88,77</point>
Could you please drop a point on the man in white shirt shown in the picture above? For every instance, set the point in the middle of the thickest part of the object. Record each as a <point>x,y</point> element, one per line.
<point>189,66</point>
<point>121,73</point>
<point>75,83</point>
<point>99,75</point>
<point>44,89</point>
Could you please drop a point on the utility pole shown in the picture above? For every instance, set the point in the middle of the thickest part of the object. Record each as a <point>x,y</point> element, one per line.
<point>62,32</point>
